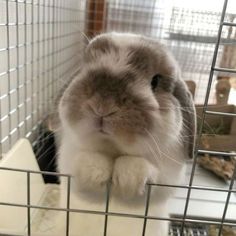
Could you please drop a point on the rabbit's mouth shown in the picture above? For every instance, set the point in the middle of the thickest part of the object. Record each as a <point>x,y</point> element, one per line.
<point>103,132</point>
<point>100,125</point>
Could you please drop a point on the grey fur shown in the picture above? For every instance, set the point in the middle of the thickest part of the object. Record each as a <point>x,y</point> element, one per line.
<point>184,97</point>
<point>166,83</point>
<point>105,88</point>
<point>141,58</point>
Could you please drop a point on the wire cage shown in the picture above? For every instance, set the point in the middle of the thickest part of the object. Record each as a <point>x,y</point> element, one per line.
<point>41,45</point>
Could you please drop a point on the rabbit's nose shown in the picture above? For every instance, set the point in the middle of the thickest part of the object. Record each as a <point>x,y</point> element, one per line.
<point>102,111</point>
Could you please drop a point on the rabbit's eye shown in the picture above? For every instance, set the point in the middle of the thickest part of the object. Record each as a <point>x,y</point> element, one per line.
<point>155,81</point>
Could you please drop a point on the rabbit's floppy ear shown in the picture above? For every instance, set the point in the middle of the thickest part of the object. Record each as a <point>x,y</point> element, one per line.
<point>184,97</point>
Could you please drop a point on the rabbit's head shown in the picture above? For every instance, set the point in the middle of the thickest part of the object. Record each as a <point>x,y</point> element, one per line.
<point>129,89</point>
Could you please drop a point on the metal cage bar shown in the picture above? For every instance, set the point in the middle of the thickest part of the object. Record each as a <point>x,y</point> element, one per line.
<point>28,203</point>
<point>203,120</point>
<point>68,206</point>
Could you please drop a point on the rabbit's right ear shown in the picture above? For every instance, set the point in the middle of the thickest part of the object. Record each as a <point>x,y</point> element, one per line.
<point>184,97</point>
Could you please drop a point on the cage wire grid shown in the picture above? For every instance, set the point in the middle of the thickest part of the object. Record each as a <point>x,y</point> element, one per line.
<point>41,49</point>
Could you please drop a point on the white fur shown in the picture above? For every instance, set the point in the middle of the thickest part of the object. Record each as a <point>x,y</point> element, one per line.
<point>129,174</point>
<point>94,159</point>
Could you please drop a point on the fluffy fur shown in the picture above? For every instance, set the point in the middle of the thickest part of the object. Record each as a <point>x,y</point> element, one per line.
<point>114,126</point>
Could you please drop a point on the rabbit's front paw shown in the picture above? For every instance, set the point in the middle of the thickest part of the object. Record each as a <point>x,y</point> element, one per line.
<point>93,171</point>
<point>131,174</point>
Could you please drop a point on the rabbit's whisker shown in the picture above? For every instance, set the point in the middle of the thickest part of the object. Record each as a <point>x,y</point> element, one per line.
<point>161,152</point>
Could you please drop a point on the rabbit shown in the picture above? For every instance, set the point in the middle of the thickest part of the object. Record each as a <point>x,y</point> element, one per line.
<point>128,119</point>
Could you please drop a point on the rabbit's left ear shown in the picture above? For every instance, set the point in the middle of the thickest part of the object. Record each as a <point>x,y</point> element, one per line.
<point>184,97</point>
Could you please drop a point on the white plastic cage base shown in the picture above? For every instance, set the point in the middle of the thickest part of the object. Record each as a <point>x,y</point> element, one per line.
<point>13,189</point>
